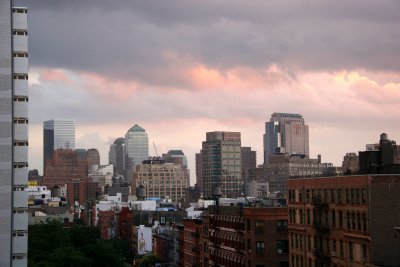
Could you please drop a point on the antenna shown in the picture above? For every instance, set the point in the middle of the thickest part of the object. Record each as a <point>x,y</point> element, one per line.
<point>155,148</point>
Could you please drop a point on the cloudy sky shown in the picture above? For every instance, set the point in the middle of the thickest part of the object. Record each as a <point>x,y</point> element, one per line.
<point>180,68</point>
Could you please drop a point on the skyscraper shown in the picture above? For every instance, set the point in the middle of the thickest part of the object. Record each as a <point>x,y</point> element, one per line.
<point>222,164</point>
<point>136,148</point>
<point>57,134</point>
<point>285,133</point>
<point>116,156</point>
<point>13,135</point>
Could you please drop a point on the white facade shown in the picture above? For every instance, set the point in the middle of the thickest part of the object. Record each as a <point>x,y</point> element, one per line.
<point>13,135</point>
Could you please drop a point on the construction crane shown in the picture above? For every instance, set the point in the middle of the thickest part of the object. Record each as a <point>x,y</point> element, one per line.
<point>155,148</point>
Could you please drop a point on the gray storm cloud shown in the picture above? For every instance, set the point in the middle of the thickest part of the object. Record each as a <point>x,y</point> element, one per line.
<point>130,39</point>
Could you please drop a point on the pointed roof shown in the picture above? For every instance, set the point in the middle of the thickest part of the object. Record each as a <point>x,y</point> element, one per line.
<point>136,128</point>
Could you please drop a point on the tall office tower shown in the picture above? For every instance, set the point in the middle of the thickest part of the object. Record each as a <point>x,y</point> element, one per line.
<point>222,164</point>
<point>136,148</point>
<point>249,161</point>
<point>116,156</point>
<point>285,133</point>
<point>57,134</point>
<point>199,171</point>
<point>178,157</point>
<point>13,135</point>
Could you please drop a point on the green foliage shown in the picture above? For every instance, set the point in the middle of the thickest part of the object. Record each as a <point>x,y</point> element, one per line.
<point>53,245</point>
<point>148,261</point>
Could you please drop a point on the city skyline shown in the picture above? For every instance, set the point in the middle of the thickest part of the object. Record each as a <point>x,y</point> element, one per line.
<point>238,64</point>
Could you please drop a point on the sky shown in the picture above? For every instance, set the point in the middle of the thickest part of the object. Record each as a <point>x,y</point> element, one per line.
<point>181,68</point>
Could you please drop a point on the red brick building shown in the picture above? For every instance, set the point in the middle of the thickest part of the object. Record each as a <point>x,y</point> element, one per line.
<point>191,243</point>
<point>237,236</point>
<point>63,167</point>
<point>344,221</point>
<point>266,236</point>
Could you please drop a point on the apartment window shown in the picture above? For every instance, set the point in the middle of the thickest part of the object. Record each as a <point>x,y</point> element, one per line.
<point>364,252</point>
<point>307,195</point>
<point>364,219</point>
<point>333,197</point>
<point>358,221</point>
<point>249,244</point>
<point>282,247</point>
<point>363,196</point>
<point>248,225</point>
<point>340,219</point>
<point>260,227</point>
<point>333,217</point>
<point>308,217</point>
<point>20,121</point>
<point>348,220</point>
<point>20,143</point>
<point>18,98</point>
<point>350,250</point>
<point>260,247</point>
<point>20,76</point>
<point>339,195</point>
<point>341,249</point>
<point>300,195</point>
<point>281,225</point>
<point>347,196</point>
<point>301,216</point>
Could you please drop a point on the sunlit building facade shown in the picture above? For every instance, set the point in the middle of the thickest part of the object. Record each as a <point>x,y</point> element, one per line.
<point>286,133</point>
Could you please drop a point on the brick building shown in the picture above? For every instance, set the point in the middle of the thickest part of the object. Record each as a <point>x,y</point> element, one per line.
<point>344,221</point>
<point>266,236</point>
<point>237,236</point>
<point>192,245</point>
<point>64,166</point>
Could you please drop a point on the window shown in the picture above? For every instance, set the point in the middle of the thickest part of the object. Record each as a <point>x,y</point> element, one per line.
<point>282,247</point>
<point>248,225</point>
<point>340,219</point>
<point>260,247</point>
<point>339,195</point>
<point>308,217</point>
<point>260,228</point>
<point>350,250</point>
<point>341,249</point>
<point>333,197</point>
<point>281,225</point>
<point>333,218</point>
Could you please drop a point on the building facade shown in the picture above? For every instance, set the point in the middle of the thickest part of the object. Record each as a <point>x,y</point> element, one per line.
<point>64,166</point>
<point>161,179</point>
<point>249,161</point>
<point>57,134</point>
<point>199,171</point>
<point>116,156</point>
<point>13,135</point>
<point>286,133</point>
<point>222,164</point>
<point>136,148</point>
<point>344,221</point>
<point>178,157</point>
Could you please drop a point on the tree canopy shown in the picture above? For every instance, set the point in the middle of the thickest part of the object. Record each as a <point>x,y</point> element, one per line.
<point>55,245</point>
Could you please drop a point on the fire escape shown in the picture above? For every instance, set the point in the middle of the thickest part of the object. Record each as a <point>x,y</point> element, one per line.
<point>321,226</point>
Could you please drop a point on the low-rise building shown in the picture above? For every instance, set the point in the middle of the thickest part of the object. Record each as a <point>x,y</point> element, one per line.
<point>344,221</point>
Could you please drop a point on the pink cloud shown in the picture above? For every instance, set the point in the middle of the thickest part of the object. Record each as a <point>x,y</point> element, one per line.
<point>55,75</point>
